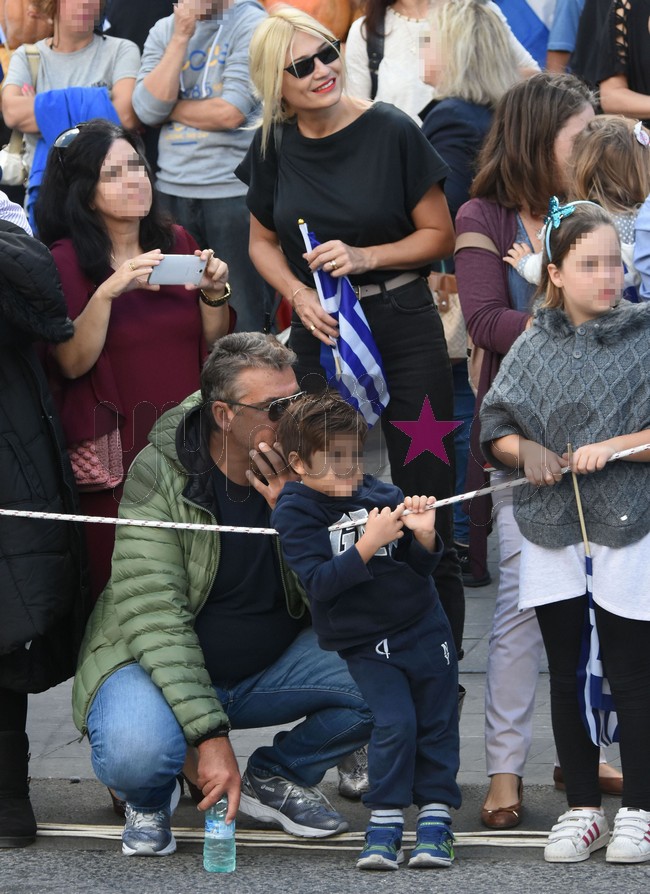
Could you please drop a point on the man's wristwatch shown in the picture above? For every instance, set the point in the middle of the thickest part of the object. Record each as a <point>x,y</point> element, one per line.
<point>216,302</point>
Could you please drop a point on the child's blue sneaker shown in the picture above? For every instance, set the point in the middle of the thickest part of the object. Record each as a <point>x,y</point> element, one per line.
<point>434,844</point>
<point>383,848</point>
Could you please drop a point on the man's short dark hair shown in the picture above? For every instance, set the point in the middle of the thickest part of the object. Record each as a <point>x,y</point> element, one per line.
<point>235,353</point>
<point>313,420</point>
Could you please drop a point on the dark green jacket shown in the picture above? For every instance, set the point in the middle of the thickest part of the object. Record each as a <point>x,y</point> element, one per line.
<point>161,579</point>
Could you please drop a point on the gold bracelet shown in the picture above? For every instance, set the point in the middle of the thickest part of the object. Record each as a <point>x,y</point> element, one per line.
<point>216,302</point>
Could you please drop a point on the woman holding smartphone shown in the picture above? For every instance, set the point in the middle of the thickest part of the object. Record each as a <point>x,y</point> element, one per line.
<point>137,348</point>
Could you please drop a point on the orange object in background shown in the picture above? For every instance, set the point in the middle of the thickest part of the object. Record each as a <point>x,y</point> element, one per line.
<point>23,22</point>
<point>337,15</point>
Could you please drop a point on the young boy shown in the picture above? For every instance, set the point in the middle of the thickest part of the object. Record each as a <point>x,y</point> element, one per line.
<point>374,602</point>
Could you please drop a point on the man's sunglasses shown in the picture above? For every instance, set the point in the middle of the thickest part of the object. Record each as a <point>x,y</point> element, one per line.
<point>274,410</point>
<point>305,67</point>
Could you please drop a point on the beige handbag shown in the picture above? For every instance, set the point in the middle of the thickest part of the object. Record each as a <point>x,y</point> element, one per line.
<point>17,156</point>
<point>445,295</point>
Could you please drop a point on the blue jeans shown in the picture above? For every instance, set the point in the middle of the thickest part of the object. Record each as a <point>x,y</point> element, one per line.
<point>138,747</point>
<point>224,225</point>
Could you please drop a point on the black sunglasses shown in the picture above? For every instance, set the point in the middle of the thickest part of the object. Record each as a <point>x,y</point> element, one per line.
<point>64,140</point>
<point>274,410</point>
<point>305,67</point>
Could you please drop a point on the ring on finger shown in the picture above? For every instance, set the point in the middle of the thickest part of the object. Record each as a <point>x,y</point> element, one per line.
<point>333,265</point>
<point>131,265</point>
<point>312,327</point>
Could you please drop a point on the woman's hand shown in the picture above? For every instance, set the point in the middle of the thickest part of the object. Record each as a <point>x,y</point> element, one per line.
<point>312,316</point>
<point>133,274</point>
<point>215,275</point>
<point>339,259</point>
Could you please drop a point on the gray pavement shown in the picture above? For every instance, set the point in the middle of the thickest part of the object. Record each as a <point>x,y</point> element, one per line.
<point>77,849</point>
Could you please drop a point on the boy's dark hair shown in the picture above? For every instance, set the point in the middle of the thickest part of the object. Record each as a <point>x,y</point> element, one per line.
<point>312,420</point>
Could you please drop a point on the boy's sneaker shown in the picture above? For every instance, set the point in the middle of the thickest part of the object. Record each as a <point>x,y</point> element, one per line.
<point>576,835</point>
<point>353,774</point>
<point>148,833</point>
<point>630,841</point>
<point>304,812</point>
<point>434,844</point>
<point>383,848</point>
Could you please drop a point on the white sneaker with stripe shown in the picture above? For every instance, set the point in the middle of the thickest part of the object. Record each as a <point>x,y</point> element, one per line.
<point>576,835</point>
<point>631,837</point>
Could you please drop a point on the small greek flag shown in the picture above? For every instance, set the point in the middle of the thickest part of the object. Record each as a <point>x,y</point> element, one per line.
<point>595,696</point>
<point>352,365</point>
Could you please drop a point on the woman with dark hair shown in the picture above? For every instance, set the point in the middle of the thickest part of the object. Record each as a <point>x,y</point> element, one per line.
<point>75,75</point>
<point>137,348</point>
<point>524,161</point>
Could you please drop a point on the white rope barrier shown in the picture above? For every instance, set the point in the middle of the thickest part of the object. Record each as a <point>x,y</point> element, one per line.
<point>233,529</point>
<point>348,841</point>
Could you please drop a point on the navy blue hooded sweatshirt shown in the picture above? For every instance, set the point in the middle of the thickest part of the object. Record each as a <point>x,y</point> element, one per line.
<point>353,602</point>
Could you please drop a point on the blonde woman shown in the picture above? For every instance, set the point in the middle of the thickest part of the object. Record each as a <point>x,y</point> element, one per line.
<point>369,185</point>
<point>398,28</point>
<point>467,56</point>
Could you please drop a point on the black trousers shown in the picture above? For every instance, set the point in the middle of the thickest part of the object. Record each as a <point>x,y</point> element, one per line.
<point>625,649</point>
<point>409,335</point>
<point>13,711</point>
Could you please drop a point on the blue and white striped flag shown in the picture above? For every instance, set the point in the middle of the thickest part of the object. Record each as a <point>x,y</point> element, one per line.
<point>594,695</point>
<point>530,21</point>
<point>353,365</point>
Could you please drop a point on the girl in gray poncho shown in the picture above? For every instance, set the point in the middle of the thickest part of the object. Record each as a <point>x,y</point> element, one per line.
<point>581,375</point>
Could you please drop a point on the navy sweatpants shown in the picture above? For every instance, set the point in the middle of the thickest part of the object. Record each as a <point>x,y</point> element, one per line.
<point>410,683</point>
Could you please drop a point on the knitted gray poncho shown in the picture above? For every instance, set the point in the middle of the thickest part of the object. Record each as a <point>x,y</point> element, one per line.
<point>562,384</point>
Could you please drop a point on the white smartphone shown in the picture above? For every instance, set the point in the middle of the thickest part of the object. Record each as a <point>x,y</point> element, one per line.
<point>178,270</point>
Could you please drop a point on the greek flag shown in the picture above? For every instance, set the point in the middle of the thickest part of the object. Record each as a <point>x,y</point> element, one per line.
<point>594,694</point>
<point>352,365</point>
<point>530,21</point>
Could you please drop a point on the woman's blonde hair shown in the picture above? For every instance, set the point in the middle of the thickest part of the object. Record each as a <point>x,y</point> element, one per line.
<point>479,62</point>
<point>268,50</point>
<point>610,165</point>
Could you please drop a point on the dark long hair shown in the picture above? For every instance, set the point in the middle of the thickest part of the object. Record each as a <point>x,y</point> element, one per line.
<point>375,11</point>
<point>516,165</point>
<point>64,208</point>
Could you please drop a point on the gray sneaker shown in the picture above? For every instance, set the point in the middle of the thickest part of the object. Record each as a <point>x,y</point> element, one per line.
<point>303,812</point>
<point>353,774</point>
<point>148,833</point>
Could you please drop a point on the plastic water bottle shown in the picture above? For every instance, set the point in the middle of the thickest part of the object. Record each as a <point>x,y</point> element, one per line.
<point>219,841</point>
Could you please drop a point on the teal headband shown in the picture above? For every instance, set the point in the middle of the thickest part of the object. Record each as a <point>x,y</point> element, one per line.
<point>556,214</point>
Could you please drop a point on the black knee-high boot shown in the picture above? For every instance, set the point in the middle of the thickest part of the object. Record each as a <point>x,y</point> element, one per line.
<point>17,821</point>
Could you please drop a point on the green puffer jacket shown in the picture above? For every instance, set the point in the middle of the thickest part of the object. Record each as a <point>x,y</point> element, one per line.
<point>161,579</point>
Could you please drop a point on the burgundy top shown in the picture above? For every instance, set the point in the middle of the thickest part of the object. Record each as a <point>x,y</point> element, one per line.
<point>151,361</point>
<point>494,325</point>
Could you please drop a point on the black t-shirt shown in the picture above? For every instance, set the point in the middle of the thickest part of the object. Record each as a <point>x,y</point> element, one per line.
<point>628,45</point>
<point>358,185</point>
<point>244,626</point>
